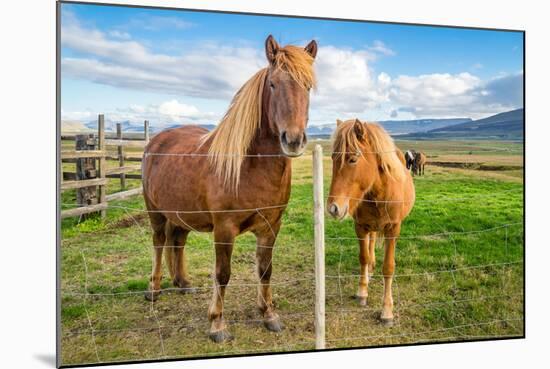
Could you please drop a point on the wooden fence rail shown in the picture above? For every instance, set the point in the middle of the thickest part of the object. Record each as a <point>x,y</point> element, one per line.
<point>96,176</point>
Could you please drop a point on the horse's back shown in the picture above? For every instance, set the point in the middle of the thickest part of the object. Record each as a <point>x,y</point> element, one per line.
<point>173,161</point>
<point>181,140</point>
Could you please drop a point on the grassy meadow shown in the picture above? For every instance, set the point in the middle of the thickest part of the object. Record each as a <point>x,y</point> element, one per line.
<point>459,270</point>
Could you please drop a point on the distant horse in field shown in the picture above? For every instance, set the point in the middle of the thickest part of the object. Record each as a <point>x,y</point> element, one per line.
<point>231,180</point>
<point>409,158</point>
<point>370,182</point>
<point>419,163</point>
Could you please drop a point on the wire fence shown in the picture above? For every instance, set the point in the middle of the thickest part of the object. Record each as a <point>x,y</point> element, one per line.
<point>104,322</point>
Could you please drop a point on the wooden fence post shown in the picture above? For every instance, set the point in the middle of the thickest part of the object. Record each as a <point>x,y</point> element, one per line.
<point>102,161</point>
<point>146,131</point>
<point>85,169</point>
<point>319,235</point>
<point>121,156</point>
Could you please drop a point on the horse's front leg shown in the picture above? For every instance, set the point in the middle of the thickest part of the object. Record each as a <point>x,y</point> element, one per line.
<point>372,256</point>
<point>223,242</point>
<point>264,258</point>
<point>364,259</point>
<point>391,234</point>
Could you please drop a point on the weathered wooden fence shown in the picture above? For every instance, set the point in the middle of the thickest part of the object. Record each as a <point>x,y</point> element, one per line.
<point>92,173</point>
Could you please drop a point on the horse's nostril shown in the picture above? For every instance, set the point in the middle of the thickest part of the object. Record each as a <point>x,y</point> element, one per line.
<point>304,139</point>
<point>283,138</point>
<point>333,209</point>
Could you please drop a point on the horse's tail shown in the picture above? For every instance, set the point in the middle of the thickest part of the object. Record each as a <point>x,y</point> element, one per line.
<point>169,249</point>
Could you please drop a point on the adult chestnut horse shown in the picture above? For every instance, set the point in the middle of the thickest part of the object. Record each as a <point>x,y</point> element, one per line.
<point>233,179</point>
<point>370,182</point>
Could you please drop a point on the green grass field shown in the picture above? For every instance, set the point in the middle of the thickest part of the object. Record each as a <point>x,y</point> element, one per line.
<point>459,271</point>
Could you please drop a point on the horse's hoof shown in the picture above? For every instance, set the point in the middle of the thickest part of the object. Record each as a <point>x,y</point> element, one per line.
<point>387,322</point>
<point>274,325</point>
<point>361,299</point>
<point>152,295</point>
<point>220,336</point>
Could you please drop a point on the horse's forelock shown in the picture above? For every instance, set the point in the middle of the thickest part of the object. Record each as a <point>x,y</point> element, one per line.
<point>376,141</point>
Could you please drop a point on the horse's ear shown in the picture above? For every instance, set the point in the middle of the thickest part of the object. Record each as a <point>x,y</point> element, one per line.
<point>311,48</point>
<point>359,129</point>
<point>271,48</point>
<point>338,122</point>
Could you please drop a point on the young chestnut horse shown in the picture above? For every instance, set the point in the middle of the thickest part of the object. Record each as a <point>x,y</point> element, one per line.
<point>371,183</point>
<point>233,179</point>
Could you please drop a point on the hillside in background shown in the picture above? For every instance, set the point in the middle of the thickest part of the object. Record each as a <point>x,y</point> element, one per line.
<point>396,127</point>
<point>507,125</point>
<point>73,126</point>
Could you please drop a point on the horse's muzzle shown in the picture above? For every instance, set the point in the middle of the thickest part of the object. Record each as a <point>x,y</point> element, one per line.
<point>338,212</point>
<point>294,145</point>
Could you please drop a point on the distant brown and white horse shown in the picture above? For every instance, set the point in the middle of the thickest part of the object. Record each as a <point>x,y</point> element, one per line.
<point>409,158</point>
<point>370,182</point>
<point>231,180</point>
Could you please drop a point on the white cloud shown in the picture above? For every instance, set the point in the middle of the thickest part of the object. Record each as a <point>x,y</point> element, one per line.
<point>210,71</point>
<point>465,95</point>
<point>83,116</point>
<point>157,23</point>
<point>477,66</point>
<point>166,113</point>
<point>348,86</point>
<point>381,48</point>
<point>346,83</point>
<point>119,34</point>
<point>177,110</point>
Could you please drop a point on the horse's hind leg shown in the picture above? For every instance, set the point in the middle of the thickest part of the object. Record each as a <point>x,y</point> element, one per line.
<point>264,258</point>
<point>392,232</point>
<point>175,256</point>
<point>181,277</point>
<point>364,256</point>
<point>157,222</point>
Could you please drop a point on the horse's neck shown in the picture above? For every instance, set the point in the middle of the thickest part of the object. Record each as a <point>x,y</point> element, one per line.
<point>266,142</point>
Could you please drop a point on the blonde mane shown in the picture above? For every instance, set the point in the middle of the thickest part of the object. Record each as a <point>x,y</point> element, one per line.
<point>376,141</point>
<point>233,136</point>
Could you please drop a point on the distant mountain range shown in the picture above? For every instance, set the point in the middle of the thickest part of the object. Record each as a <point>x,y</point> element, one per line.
<point>507,125</point>
<point>110,125</point>
<point>394,127</point>
<point>73,126</point>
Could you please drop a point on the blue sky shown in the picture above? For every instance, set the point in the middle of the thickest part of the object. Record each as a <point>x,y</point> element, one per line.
<point>183,67</point>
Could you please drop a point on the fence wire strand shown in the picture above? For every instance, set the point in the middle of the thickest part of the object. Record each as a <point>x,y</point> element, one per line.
<point>160,325</point>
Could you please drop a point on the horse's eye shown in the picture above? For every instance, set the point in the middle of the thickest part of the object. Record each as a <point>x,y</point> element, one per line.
<point>271,85</point>
<point>352,160</point>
